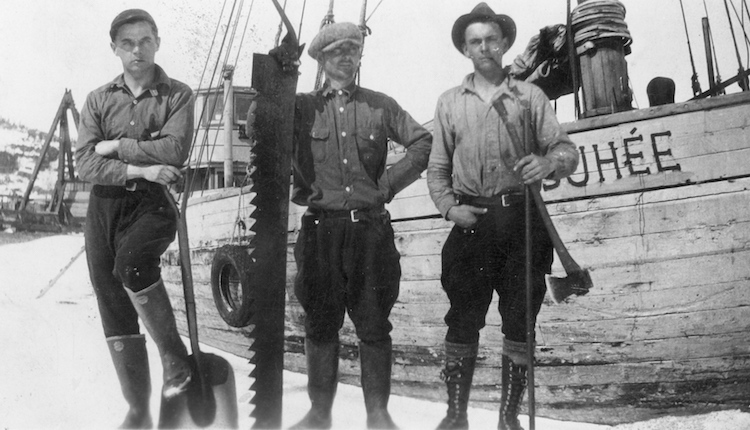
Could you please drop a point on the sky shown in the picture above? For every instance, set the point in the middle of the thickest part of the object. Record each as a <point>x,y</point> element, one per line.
<point>52,45</point>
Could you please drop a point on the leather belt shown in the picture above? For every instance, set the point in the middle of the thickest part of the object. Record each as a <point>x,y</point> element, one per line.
<point>353,215</point>
<point>494,202</point>
<point>119,191</point>
<point>136,185</point>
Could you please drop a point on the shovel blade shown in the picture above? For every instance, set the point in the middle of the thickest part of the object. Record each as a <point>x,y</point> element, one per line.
<point>215,407</point>
<point>578,283</point>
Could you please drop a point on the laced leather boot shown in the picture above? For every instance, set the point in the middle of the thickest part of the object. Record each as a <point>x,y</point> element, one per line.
<point>513,386</point>
<point>458,373</point>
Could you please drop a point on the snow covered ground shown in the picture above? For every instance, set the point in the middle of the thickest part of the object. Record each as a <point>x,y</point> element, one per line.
<point>56,373</point>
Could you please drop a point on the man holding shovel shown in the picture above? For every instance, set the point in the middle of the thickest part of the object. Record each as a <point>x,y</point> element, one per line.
<point>134,135</point>
<point>476,176</point>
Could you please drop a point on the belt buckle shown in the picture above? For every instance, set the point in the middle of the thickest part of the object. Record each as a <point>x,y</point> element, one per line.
<point>352,216</point>
<point>504,200</point>
<point>131,186</point>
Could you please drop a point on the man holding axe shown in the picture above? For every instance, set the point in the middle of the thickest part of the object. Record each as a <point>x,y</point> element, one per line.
<point>476,175</point>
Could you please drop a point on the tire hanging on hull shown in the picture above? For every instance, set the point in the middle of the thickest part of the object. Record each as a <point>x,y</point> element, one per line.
<point>231,278</point>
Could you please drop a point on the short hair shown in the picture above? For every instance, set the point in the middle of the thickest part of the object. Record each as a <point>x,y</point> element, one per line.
<point>131,16</point>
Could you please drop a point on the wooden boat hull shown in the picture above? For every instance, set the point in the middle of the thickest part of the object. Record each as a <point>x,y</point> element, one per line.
<point>656,212</point>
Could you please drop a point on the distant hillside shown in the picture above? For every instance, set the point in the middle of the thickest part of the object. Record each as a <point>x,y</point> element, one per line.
<point>19,152</point>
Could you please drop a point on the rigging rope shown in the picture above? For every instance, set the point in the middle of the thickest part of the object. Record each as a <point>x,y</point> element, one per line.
<point>327,19</point>
<point>694,78</point>
<point>200,83</point>
<point>301,19</point>
<point>208,104</point>
<point>373,11</point>
<point>244,31</point>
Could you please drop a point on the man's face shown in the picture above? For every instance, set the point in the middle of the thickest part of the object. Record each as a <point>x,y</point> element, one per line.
<point>136,45</point>
<point>485,45</point>
<point>341,63</point>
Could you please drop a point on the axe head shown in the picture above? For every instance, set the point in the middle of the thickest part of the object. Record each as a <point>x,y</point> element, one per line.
<point>577,282</point>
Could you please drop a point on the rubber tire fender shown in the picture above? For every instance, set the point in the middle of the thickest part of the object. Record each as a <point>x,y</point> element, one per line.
<point>236,313</point>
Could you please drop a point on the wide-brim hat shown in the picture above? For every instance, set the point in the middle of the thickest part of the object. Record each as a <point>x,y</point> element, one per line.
<point>482,13</point>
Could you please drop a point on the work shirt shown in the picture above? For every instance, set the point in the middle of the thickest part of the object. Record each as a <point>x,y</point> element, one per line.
<point>341,146</point>
<point>473,153</point>
<point>154,128</point>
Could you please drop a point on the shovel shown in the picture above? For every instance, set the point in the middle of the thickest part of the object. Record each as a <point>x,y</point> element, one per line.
<point>211,397</point>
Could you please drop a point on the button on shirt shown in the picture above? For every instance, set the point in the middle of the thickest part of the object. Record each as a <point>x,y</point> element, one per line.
<point>473,153</point>
<point>341,146</point>
<point>154,128</point>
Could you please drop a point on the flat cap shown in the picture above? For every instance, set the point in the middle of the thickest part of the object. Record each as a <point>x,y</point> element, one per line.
<point>127,17</point>
<point>333,35</point>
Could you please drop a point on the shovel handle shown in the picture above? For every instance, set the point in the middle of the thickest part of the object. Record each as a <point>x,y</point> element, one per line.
<point>187,273</point>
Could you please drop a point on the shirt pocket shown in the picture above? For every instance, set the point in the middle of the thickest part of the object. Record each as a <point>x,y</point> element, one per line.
<point>319,143</point>
<point>372,146</point>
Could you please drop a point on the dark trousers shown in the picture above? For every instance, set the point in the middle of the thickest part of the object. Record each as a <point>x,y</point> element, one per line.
<point>489,257</point>
<point>126,233</point>
<point>345,266</point>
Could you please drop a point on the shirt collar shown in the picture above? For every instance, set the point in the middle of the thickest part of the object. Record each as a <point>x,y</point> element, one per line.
<point>161,80</point>
<point>327,91</point>
<point>504,89</point>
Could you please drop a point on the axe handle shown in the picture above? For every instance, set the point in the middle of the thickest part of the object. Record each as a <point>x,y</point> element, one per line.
<point>566,260</point>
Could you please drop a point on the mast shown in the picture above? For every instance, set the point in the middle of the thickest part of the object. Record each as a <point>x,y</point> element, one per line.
<point>228,126</point>
<point>694,78</point>
<point>573,59</point>
<point>709,57</point>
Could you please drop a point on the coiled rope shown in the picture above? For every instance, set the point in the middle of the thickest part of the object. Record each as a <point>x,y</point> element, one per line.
<point>596,20</point>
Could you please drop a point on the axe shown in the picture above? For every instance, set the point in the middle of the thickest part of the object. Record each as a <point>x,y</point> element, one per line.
<point>578,280</point>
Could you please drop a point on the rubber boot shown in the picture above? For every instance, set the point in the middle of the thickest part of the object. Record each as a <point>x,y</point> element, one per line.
<point>155,310</point>
<point>460,360</point>
<point>131,364</point>
<point>322,380</point>
<point>513,386</point>
<point>375,361</point>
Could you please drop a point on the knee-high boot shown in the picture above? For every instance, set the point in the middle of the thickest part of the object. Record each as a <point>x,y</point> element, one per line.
<point>375,361</point>
<point>322,380</point>
<point>131,364</point>
<point>513,386</point>
<point>155,310</point>
<point>460,360</point>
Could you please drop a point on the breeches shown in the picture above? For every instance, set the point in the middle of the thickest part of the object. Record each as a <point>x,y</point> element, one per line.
<point>126,233</point>
<point>489,257</point>
<point>343,266</point>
